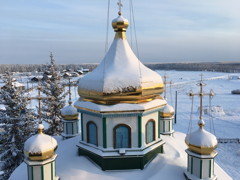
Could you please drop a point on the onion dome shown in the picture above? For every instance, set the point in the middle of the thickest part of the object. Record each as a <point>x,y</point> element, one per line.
<point>120,77</point>
<point>201,141</point>
<point>69,112</point>
<point>40,146</point>
<point>167,111</point>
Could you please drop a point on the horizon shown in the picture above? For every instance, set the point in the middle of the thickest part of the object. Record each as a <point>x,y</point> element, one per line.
<point>185,31</point>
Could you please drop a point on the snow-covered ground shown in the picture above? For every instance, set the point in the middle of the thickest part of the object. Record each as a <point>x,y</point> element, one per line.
<point>226,125</point>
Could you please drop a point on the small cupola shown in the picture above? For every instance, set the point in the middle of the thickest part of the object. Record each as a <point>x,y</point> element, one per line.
<point>167,111</point>
<point>69,112</point>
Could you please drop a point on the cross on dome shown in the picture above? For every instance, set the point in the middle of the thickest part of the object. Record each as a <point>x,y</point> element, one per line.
<point>120,7</point>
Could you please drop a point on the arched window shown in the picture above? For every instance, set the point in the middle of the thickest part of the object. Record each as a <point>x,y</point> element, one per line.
<point>122,136</point>
<point>92,133</point>
<point>150,131</point>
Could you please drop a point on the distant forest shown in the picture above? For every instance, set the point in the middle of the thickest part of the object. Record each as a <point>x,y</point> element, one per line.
<point>219,67</point>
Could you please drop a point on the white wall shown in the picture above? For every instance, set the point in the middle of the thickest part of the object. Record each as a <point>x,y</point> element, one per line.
<point>98,122</point>
<point>131,121</point>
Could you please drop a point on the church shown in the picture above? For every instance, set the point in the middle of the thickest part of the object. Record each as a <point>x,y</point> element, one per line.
<point>125,125</point>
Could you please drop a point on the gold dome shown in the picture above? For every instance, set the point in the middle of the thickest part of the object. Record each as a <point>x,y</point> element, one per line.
<point>120,24</point>
<point>40,146</point>
<point>201,142</point>
<point>69,112</point>
<point>167,111</point>
<point>120,77</point>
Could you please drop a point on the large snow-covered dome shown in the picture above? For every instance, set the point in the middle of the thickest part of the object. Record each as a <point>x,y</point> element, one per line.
<point>201,141</point>
<point>69,112</point>
<point>120,77</point>
<point>40,146</point>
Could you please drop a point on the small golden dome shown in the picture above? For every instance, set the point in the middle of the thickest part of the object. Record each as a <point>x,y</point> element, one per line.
<point>69,112</point>
<point>201,141</point>
<point>40,146</point>
<point>120,24</point>
<point>167,111</point>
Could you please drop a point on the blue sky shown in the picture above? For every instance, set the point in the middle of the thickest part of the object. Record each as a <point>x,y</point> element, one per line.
<point>75,31</point>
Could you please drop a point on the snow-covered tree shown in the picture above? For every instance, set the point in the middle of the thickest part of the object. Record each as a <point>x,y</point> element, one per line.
<point>16,126</point>
<point>55,101</point>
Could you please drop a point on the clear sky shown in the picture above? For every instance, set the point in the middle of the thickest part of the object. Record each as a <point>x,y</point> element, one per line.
<point>75,31</point>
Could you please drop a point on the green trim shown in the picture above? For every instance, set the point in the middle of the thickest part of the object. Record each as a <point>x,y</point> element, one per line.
<point>104,132</point>
<point>200,169</point>
<point>191,164</point>
<point>66,128</point>
<point>122,162</point>
<point>164,126</point>
<point>123,114</point>
<point>82,126</point>
<point>158,124</point>
<point>52,170</point>
<point>210,167</point>
<point>72,129</point>
<point>32,172</point>
<point>42,172</point>
<point>169,123</point>
<point>139,131</point>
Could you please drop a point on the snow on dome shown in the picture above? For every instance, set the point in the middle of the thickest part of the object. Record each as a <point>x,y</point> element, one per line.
<point>201,141</point>
<point>119,19</point>
<point>69,112</point>
<point>167,111</point>
<point>120,76</point>
<point>40,146</point>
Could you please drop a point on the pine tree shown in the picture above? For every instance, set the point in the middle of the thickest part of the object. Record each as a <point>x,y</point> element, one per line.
<point>55,101</point>
<point>17,125</point>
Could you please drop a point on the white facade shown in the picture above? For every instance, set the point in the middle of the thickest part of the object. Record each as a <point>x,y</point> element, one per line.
<point>70,128</point>
<point>42,170</point>
<point>200,166</point>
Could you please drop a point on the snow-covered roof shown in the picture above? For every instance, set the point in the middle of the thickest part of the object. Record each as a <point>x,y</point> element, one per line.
<point>69,112</point>
<point>120,72</point>
<point>203,141</point>
<point>167,111</point>
<point>40,144</point>
<point>119,107</point>
<point>169,165</point>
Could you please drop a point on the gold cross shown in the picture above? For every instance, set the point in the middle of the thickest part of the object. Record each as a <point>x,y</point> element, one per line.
<point>120,7</point>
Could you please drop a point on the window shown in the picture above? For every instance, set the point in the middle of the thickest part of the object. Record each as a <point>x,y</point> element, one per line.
<point>150,131</point>
<point>122,136</point>
<point>92,133</point>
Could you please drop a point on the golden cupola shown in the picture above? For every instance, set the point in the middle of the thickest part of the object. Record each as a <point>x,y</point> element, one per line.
<point>120,77</point>
<point>167,111</point>
<point>69,112</point>
<point>201,141</point>
<point>40,146</point>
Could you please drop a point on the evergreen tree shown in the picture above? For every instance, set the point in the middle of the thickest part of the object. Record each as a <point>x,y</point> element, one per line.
<point>17,125</point>
<point>54,101</point>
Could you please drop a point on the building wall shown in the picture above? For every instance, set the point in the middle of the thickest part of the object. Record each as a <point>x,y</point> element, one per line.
<point>98,121</point>
<point>131,121</point>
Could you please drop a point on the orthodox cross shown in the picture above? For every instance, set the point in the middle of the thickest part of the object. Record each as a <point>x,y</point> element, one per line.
<point>69,88</point>
<point>201,123</point>
<point>165,85</point>
<point>120,7</point>
<point>39,98</point>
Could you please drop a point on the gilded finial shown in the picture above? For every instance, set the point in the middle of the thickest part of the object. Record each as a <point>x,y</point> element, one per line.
<point>40,128</point>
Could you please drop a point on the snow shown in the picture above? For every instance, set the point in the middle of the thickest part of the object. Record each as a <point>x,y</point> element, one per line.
<point>39,143</point>
<point>201,138</point>
<point>120,107</point>
<point>119,71</point>
<point>120,19</point>
<point>225,125</point>
<point>69,110</point>
<point>169,165</point>
<point>168,109</point>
